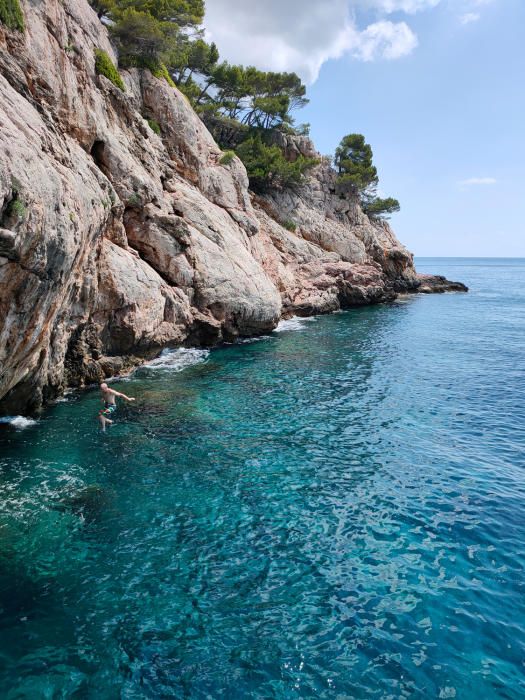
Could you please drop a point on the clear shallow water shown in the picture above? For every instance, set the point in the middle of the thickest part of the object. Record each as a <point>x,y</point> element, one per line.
<point>334,511</point>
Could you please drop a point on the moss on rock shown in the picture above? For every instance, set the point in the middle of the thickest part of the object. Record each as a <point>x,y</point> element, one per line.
<point>11,14</point>
<point>154,126</point>
<point>227,157</point>
<point>105,66</point>
<point>162,72</point>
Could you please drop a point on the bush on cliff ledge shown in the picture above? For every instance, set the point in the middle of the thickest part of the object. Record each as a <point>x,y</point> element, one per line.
<point>267,166</point>
<point>105,66</point>
<point>11,14</point>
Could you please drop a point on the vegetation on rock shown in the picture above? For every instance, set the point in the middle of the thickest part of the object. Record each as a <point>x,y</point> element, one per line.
<point>227,157</point>
<point>15,209</point>
<point>358,174</point>
<point>241,105</point>
<point>11,14</point>
<point>140,38</point>
<point>166,37</point>
<point>378,208</point>
<point>105,66</point>
<point>267,165</point>
<point>162,72</point>
<point>149,32</point>
<point>154,126</point>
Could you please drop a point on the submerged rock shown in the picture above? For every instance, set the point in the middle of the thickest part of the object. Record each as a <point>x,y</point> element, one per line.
<point>123,242</point>
<point>87,502</point>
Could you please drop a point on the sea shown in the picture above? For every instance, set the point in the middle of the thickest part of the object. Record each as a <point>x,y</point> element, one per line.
<point>335,510</point>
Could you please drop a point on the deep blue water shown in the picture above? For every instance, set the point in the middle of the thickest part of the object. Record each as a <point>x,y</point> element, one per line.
<point>335,511</point>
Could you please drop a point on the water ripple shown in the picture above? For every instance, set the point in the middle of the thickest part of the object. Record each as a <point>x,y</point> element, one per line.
<point>330,513</point>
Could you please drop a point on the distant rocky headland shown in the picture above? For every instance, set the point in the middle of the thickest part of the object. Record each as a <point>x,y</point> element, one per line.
<point>125,229</point>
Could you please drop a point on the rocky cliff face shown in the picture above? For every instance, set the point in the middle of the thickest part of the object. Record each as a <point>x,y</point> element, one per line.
<point>115,242</point>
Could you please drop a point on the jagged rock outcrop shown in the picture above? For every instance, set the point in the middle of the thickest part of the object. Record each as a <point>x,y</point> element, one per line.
<point>115,242</point>
<point>437,284</point>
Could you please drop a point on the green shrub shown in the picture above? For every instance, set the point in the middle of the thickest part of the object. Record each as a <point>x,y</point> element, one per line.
<point>154,126</point>
<point>268,167</point>
<point>289,225</point>
<point>162,72</point>
<point>11,14</point>
<point>227,157</point>
<point>16,208</point>
<point>105,66</point>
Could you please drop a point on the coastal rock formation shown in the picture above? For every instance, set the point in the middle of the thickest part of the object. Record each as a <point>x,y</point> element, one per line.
<point>437,284</point>
<point>116,241</point>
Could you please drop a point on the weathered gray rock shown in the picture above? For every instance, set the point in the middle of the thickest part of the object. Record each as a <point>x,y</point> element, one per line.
<point>337,224</point>
<point>115,242</point>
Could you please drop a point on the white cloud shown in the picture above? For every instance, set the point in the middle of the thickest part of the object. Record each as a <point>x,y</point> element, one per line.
<point>301,35</point>
<point>469,17</point>
<point>478,181</point>
<point>386,39</point>
<point>471,10</point>
<point>409,6</point>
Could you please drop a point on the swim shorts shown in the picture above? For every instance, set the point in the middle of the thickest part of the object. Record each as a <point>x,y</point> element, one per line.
<point>108,409</point>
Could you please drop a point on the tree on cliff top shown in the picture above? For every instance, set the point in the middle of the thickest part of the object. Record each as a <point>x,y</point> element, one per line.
<point>140,38</point>
<point>357,172</point>
<point>353,161</point>
<point>157,33</point>
<point>183,13</point>
<point>148,31</point>
<point>260,99</point>
<point>166,37</point>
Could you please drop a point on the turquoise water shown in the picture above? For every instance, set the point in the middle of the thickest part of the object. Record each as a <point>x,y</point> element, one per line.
<point>335,511</point>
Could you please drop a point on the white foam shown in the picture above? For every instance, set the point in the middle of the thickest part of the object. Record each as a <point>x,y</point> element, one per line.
<point>18,422</point>
<point>248,341</point>
<point>118,378</point>
<point>179,359</point>
<point>296,323</point>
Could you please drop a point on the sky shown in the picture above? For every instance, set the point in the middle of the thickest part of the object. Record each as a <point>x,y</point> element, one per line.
<point>436,86</point>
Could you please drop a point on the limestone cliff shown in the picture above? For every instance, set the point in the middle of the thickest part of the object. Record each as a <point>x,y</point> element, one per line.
<point>115,241</point>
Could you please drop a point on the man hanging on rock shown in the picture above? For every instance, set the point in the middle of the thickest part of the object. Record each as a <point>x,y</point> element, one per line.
<point>109,397</point>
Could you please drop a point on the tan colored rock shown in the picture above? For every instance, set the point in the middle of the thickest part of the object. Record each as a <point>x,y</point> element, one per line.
<point>337,224</point>
<point>115,242</point>
<point>313,280</point>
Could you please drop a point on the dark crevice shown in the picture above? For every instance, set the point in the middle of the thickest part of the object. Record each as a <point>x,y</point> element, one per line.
<point>162,275</point>
<point>98,153</point>
<point>11,210</point>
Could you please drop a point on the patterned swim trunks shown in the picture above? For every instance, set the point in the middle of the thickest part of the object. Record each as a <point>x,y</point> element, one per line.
<point>108,409</point>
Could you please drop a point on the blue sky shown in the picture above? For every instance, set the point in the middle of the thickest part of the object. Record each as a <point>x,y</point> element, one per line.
<point>436,86</point>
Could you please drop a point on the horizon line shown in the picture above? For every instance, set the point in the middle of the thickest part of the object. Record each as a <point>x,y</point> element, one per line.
<point>474,257</point>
